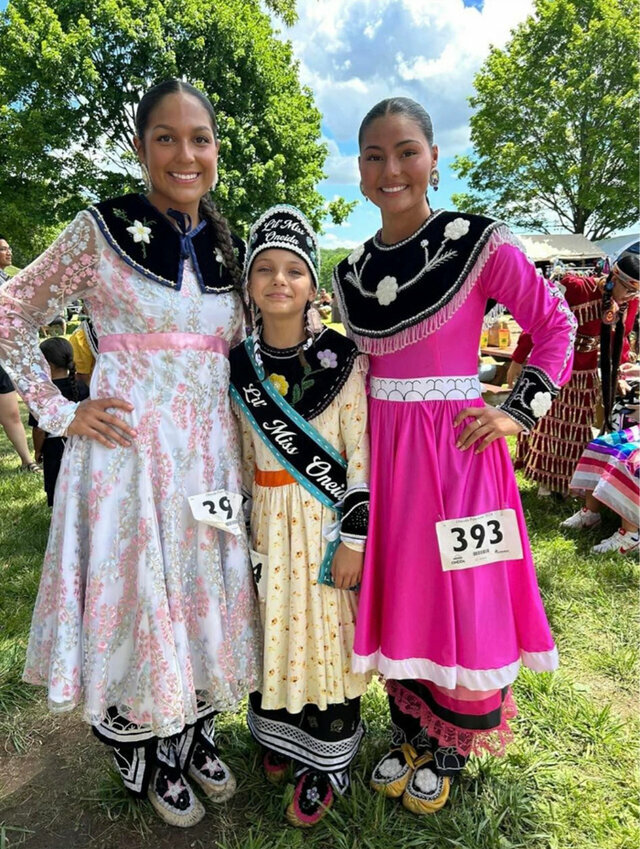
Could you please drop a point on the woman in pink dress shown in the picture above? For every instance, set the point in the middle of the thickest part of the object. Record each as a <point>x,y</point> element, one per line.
<point>449,606</point>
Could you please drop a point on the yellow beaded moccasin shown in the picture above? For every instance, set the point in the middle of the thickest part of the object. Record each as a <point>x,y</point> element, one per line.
<point>426,791</point>
<point>391,774</point>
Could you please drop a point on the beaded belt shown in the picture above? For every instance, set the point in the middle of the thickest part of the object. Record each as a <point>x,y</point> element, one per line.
<point>466,388</point>
<point>586,344</point>
<point>134,342</point>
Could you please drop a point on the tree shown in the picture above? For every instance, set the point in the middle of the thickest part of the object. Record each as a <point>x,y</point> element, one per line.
<point>72,72</point>
<point>330,257</point>
<point>554,131</point>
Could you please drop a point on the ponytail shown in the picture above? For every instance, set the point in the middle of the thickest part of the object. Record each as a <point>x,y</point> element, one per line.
<point>58,352</point>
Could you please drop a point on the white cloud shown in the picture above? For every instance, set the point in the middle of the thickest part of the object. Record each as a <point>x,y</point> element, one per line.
<point>336,240</point>
<point>340,169</point>
<point>353,53</point>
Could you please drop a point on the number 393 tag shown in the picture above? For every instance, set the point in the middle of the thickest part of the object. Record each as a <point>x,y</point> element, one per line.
<point>219,508</point>
<point>476,540</point>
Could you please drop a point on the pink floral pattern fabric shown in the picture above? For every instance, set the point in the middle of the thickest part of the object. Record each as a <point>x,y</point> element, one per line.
<point>139,605</point>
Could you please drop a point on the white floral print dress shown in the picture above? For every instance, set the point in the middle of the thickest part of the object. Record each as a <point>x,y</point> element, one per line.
<point>140,607</point>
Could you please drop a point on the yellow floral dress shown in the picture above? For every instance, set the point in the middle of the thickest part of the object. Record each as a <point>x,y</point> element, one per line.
<point>308,627</point>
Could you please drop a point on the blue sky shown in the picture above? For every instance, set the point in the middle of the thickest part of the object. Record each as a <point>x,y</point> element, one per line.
<point>353,53</point>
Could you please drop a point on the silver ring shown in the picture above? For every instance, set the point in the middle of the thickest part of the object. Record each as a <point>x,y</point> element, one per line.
<point>478,422</point>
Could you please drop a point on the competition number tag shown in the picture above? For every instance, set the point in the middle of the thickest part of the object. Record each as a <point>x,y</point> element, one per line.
<point>476,540</point>
<point>259,566</point>
<point>220,508</point>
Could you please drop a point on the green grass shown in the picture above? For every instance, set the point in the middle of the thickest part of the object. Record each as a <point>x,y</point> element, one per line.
<point>566,782</point>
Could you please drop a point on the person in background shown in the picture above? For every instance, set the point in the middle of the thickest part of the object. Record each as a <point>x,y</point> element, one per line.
<point>7,269</point>
<point>10,419</point>
<point>84,341</point>
<point>608,471</point>
<point>49,449</point>
<point>550,453</point>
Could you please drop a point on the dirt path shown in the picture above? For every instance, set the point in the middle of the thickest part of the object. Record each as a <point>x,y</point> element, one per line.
<point>59,795</point>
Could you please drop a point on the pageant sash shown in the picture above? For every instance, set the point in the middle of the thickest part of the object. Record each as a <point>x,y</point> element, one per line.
<point>294,442</point>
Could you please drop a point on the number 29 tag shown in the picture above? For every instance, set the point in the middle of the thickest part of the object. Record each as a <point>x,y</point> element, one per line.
<point>476,540</point>
<point>219,508</point>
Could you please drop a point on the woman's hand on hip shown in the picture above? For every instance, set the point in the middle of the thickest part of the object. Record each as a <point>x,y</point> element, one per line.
<point>93,420</point>
<point>487,424</point>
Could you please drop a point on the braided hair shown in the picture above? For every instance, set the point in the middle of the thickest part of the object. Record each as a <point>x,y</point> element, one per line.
<point>207,208</point>
<point>58,352</point>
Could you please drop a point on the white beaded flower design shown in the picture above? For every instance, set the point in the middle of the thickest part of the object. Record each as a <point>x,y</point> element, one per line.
<point>139,232</point>
<point>387,290</point>
<point>355,255</point>
<point>456,229</point>
<point>541,404</point>
<point>219,257</point>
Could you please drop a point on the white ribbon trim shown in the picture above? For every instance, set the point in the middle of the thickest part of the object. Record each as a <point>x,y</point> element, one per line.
<point>416,668</point>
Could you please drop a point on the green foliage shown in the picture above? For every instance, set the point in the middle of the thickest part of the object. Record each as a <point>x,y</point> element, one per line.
<point>72,72</point>
<point>328,259</point>
<point>554,130</point>
<point>340,209</point>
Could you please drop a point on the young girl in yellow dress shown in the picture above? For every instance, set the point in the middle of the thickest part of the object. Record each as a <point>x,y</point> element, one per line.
<point>300,396</point>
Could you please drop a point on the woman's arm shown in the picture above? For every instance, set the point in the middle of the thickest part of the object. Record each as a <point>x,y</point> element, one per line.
<point>67,270</point>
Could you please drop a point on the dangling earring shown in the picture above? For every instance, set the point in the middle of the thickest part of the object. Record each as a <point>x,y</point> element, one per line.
<point>362,190</point>
<point>312,321</point>
<point>434,179</point>
<point>146,178</point>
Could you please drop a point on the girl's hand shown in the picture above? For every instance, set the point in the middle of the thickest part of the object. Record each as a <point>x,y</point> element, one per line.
<point>93,420</point>
<point>487,425</point>
<point>346,569</point>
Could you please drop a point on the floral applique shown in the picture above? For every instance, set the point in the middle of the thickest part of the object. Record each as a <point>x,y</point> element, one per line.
<point>280,382</point>
<point>541,404</point>
<point>140,230</point>
<point>388,288</point>
<point>328,359</point>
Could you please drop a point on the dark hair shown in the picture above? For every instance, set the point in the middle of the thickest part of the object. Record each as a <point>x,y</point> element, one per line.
<point>58,352</point>
<point>206,208</point>
<point>611,351</point>
<point>399,106</point>
<point>629,263</point>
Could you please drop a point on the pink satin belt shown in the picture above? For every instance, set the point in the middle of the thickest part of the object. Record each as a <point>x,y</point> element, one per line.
<point>134,342</point>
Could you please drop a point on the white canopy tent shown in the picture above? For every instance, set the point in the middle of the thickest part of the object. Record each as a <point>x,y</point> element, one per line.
<point>566,247</point>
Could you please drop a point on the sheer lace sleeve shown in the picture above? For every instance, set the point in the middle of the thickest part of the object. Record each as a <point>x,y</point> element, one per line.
<point>64,272</point>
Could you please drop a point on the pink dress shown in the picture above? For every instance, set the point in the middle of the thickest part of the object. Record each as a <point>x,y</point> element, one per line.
<point>471,628</point>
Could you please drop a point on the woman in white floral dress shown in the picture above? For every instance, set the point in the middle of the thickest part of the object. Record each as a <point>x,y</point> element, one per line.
<point>145,616</point>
